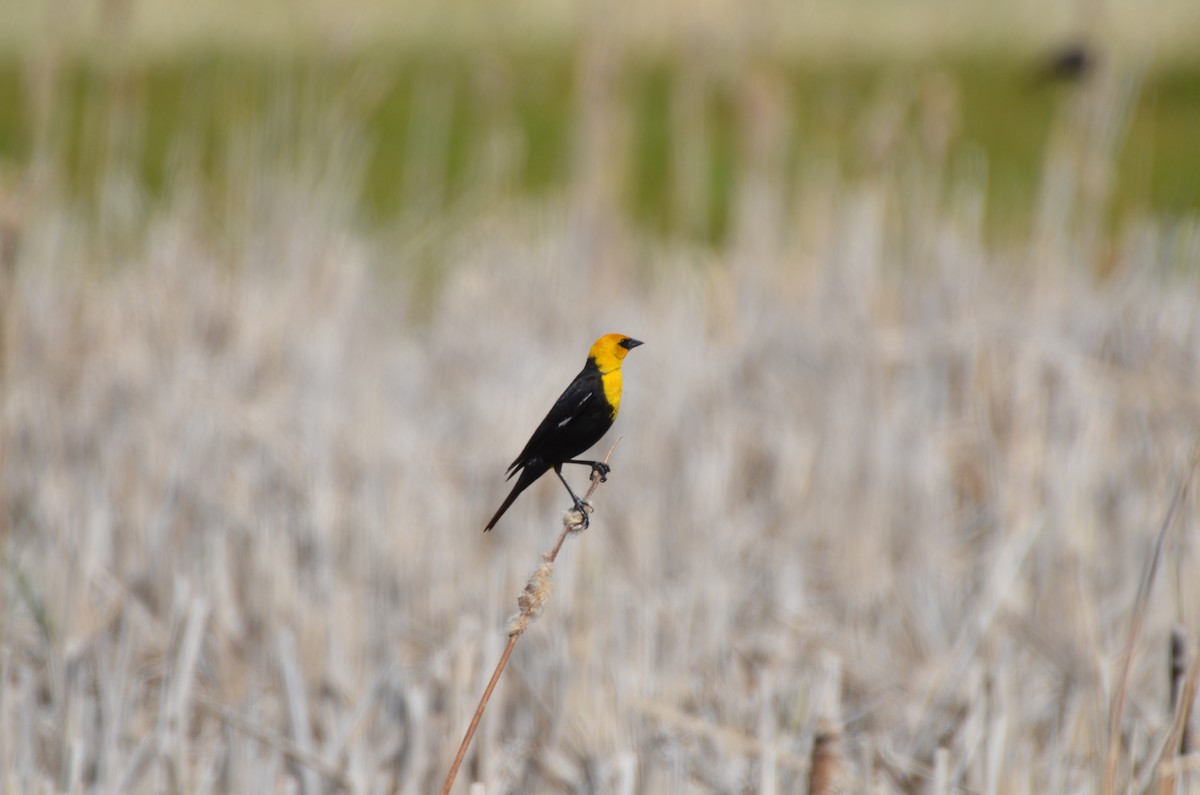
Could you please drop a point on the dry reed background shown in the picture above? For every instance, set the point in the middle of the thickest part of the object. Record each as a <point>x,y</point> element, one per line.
<point>883,480</point>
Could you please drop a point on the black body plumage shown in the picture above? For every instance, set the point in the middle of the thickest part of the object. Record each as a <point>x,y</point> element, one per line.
<point>578,419</point>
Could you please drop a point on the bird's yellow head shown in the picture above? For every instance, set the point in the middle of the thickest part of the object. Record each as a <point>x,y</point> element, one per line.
<point>610,349</point>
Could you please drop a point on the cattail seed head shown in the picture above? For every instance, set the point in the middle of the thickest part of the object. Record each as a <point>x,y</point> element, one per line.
<point>533,598</point>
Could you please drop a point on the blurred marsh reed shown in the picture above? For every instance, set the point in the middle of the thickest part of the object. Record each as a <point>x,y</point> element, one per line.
<point>888,485</point>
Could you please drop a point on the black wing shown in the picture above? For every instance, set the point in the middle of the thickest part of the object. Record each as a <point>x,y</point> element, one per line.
<point>570,423</point>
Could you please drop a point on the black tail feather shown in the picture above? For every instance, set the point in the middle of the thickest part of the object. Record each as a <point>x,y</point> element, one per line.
<point>532,471</point>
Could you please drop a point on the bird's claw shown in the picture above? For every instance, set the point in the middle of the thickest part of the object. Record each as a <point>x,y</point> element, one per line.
<point>582,508</point>
<point>602,469</point>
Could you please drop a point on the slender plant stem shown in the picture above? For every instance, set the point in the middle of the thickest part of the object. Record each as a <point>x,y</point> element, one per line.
<point>487,694</point>
<point>529,610</point>
<point>1109,784</point>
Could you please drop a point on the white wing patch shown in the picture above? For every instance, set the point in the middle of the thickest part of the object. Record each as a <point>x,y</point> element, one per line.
<point>586,398</point>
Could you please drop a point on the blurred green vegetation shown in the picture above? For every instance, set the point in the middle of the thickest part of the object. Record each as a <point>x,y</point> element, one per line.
<point>424,123</point>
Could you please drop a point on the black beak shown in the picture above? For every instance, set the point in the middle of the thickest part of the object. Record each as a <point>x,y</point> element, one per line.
<point>629,343</point>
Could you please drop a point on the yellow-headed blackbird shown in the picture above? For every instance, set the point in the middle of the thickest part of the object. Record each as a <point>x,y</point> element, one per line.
<point>580,416</point>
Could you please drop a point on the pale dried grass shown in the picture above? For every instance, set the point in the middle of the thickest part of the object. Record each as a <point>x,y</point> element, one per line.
<point>870,460</point>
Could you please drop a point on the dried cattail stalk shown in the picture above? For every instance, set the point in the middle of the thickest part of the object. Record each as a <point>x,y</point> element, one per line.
<point>1109,784</point>
<point>1179,664</point>
<point>1171,762</point>
<point>531,601</point>
<point>826,776</point>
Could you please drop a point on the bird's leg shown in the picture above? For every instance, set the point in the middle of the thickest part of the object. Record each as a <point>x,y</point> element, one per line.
<point>580,504</point>
<point>598,468</point>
